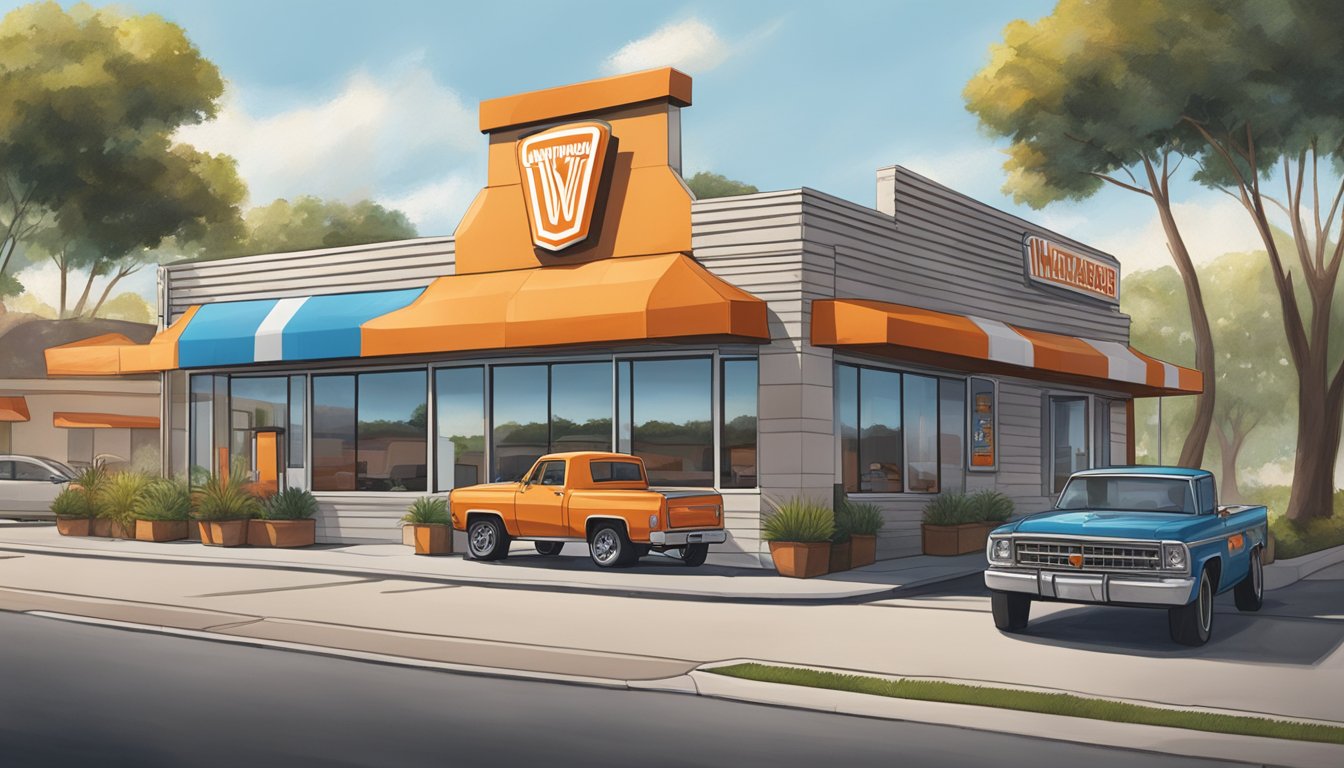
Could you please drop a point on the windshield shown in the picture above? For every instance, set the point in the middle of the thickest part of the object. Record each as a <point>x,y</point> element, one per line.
<point>1129,494</point>
<point>61,466</point>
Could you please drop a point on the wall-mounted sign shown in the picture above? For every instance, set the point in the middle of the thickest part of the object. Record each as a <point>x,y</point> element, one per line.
<point>984,424</point>
<point>561,168</point>
<point>1051,264</point>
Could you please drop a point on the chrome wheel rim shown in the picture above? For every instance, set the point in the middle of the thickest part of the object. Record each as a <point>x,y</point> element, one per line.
<point>605,546</point>
<point>482,539</point>
<point>1205,605</point>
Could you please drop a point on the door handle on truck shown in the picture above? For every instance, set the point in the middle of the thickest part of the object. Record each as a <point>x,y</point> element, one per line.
<point>559,493</point>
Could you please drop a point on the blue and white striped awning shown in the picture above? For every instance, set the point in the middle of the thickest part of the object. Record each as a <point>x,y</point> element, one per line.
<point>271,330</point>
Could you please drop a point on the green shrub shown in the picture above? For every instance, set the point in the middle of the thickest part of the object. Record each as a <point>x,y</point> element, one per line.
<point>289,504</point>
<point>990,506</point>
<point>799,520</point>
<point>224,499</point>
<point>120,494</point>
<point>427,510</point>
<point>73,502</point>
<point>90,482</point>
<point>863,518</point>
<point>844,526</point>
<point>163,499</point>
<point>949,509</point>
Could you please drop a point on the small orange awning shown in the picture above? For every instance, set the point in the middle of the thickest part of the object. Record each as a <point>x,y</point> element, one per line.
<point>639,298</point>
<point>112,354</point>
<point>71,420</point>
<point>13,409</point>
<point>975,344</point>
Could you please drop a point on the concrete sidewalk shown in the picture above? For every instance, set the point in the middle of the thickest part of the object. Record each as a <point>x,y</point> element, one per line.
<point>572,571</point>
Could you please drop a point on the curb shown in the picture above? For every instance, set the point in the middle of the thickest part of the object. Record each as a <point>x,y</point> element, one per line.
<point>1284,573</point>
<point>1162,740</point>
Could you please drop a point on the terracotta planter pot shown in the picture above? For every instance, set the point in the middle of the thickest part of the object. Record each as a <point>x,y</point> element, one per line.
<point>122,530</point>
<point>160,530</point>
<point>73,526</point>
<point>100,526</point>
<point>841,557</point>
<point>433,539</point>
<point>950,540</point>
<point>408,535</point>
<point>862,551</point>
<point>801,560</point>
<point>193,529</point>
<point>223,533</point>
<point>281,533</point>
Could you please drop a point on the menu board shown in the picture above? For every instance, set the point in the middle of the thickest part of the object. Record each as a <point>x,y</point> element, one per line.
<point>984,404</point>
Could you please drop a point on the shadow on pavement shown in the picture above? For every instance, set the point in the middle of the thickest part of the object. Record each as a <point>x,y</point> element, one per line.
<point>651,564</point>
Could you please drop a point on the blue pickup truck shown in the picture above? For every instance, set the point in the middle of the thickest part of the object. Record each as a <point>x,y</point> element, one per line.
<point>1137,536</point>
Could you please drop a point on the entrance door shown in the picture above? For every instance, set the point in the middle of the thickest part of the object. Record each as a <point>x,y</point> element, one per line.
<point>540,505</point>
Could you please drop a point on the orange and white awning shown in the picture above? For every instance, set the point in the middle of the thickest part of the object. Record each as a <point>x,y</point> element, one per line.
<point>969,343</point>
<point>13,409</point>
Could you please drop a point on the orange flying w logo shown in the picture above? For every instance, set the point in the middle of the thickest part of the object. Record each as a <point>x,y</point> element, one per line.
<point>561,169</point>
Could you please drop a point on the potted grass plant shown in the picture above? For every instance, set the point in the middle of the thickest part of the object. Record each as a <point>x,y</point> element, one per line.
<point>74,512</point>
<point>864,520</point>
<point>428,519</point>
<point>799,531</point>
<point>286,520</point>
<point>161,511</point>
<point>841,542</point>
<point>119,495</point>
<point>991,509</point>
<point>222,507</point>
<point>90,483</point>
<point>949,525</point>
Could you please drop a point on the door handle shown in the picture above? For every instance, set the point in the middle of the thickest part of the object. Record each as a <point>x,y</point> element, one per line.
<point>559,493</point>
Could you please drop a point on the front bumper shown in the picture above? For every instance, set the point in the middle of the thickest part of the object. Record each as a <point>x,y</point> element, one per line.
<point>682,538</point>
<point>1124,588</point>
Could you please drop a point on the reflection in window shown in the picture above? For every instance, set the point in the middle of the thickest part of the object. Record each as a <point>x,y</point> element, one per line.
<point>521,430</point>
<point>1068,438</point>
<point>671,414</point>
<point>393,422</point>
<point>737,465</point>
<point>921,427</point>
<point>580,407</point>
<point>952,434</point>
<point>615,472</point>
<point>880,439</point>
<point>334,433</point>
<point>847,421</point>
<point>255,402</point>
<point>297,405</point>
<point>552,473</point>
<point>459,408</point>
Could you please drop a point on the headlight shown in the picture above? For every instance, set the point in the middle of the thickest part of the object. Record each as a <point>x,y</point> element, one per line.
<point>1173,557</point>
<point>653,522</point>
<point>1001,551</point>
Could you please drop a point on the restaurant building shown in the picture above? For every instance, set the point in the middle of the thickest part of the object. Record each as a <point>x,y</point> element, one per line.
<point>767,345</point>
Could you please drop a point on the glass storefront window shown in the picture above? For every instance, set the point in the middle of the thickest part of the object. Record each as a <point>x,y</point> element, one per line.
<point>881,443</point>
<point>334,433</point>
<point>672,420</point>
<point>459,409</point>
<point>298,401</point>
<point>255,403</point>
<point>1068,439</point>
<point>921,433</point>
<point>952,435</point>
<point>737,428</point>
<point>393,421</point>
<point>580,407</point>
<point>847,422</point>
<point>520,417</point>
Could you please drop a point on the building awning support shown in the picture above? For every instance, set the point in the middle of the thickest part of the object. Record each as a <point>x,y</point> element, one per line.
<point>974,344</point>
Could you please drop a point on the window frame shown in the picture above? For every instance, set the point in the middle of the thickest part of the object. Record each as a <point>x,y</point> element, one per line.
<point>356,373</point>
<point>1048,437</point>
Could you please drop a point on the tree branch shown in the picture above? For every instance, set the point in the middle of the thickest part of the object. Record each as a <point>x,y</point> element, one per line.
<point>1121,184</point>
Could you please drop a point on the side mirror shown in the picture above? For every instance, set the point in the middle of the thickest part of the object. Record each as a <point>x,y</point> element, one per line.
<point>57,479</point>
<point>1223,512</point>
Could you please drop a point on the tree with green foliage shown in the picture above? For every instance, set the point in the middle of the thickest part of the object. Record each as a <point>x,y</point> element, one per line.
<point>306,223</point>
<point>707,185</point>
<point>92,100</point>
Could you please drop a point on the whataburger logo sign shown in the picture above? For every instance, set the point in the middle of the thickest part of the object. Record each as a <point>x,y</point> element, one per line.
<point>561,169</point>
<point>1050,264</point>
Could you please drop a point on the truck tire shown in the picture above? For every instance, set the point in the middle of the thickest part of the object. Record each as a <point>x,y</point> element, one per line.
<point>694,554</point>
<point>549,548</point>
<point>1192,624</point>
<point>487,539</point>
<point>1012,610</point>
<point>610,547</point>
<point>1250,592</point>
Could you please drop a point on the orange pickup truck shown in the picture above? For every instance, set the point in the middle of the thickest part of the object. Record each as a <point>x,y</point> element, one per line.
<point>599,498</point>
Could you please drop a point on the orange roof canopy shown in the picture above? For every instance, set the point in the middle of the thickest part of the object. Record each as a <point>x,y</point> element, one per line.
<point>113,354</point>
<point>71,420</point>
<point>13,409</point>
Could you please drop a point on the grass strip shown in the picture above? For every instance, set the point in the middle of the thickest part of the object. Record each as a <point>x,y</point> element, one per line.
<point>1032,701</point>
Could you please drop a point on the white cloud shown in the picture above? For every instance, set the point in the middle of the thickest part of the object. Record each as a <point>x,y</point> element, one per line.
<point>976,171</point>
<point>43,282</point>
<point>437,207</point>
<point>365,141</point>
<point>690,45</point>
<point>1209,228</point>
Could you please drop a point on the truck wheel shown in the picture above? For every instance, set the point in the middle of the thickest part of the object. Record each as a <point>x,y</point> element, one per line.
<point>487,539</point>
<point>549,548</point>
<point>610,547</point>
<point>694,554</point>
<point>1250,593</point>
<point>1192,624</point>
<point>1012,610</point>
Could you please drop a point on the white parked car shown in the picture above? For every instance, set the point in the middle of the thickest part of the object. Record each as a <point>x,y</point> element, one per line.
<point>28,484</point>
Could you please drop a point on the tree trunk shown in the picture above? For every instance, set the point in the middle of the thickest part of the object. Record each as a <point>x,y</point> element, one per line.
<point>1320,410</point>
<point>1229,450</point>
<point>1192,453</point>
<point>84,297</point>
<point>64,266</point>
<point>107,291</point>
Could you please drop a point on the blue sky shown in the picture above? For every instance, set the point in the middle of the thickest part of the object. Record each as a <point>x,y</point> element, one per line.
<point>356,99</point>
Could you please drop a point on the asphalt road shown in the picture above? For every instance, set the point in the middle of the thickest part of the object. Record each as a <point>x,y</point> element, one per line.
<point>74,694</point>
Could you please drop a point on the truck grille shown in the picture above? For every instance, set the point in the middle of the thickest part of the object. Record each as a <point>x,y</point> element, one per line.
<point>1096,557</point>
